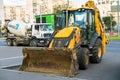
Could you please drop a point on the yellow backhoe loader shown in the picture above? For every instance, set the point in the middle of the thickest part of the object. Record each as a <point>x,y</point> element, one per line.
<point>82,40</point>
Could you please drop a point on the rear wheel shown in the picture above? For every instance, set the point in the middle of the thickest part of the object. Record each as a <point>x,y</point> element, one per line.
<point>83,58</point>
<point>15,42</point>
<point>97,52</point>
<point>9,42</point>
<point>33,43</point>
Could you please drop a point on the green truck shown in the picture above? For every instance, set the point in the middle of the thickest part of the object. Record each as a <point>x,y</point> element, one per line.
<point>54,19</point>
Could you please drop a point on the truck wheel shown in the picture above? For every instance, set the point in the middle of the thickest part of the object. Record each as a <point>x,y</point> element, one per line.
<point>33,43</point>
<point>83,58</point>
<point>97,52</point>
<point>15,42</point>
<point>9,42</point>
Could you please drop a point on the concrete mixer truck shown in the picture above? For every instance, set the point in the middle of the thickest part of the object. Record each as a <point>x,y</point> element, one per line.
<point>37,34</point>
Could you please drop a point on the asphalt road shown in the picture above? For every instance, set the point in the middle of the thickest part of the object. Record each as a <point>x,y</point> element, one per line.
<point>108,69</point>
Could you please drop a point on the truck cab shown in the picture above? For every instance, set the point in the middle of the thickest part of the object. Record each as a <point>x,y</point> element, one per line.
<point>42,30</point>
<point>37,34</point>
<point>40,34</point>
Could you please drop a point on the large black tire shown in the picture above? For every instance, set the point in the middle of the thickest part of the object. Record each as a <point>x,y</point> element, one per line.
<point>83,58</point>
<point>96,52</point>
<point>9,42</point>
<point>33,43</point>
<point>15,43</point>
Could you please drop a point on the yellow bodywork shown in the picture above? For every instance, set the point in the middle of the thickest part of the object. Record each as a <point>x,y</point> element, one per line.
<point>62,60</point>
<point>99,28</point>
<point>65,33</point>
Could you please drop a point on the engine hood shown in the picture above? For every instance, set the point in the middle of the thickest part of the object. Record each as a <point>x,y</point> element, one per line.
<point>66,32</point>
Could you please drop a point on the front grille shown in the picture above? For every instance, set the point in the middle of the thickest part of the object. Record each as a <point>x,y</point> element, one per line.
<point>60,43</point>
<point>47,35</point>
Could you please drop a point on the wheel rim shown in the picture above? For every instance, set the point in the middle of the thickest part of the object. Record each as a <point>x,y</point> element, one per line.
<point>14,43</point>
<point>33,43</point>
<point>99,51</point>
<point>8,42</point>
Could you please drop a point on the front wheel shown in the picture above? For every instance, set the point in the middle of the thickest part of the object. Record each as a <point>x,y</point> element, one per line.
<point>97,52</point>
<point>33,43</point>
<point>83,58</point>
<point>9,42</point>
<point>15,42</point>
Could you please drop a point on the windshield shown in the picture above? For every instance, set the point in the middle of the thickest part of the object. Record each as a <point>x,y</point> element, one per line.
<point>46,27</point>
<point>76,18</point>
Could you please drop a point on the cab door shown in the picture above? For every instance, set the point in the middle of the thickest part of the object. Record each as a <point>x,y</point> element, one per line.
<point>91,24</point>
<point>36,31</point>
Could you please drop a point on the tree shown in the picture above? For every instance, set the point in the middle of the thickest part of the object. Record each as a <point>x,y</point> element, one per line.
<point>59,8</point>
<point>108,20</point>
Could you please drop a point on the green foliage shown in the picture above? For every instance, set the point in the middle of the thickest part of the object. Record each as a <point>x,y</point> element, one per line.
<point>116,37</point>
<point>114,23</point>
<point>59,8</point>
<point>107,21</point>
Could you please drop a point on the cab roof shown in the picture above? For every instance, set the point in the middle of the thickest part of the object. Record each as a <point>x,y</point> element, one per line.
<point>75,9</point>
<point>41,24</point>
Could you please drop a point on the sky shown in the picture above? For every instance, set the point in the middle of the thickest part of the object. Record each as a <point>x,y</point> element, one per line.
<point>22,2</point>
<point>14,2</point>
<point>80,2</point>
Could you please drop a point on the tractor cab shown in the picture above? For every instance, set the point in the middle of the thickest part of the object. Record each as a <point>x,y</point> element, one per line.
<point>83,18</point>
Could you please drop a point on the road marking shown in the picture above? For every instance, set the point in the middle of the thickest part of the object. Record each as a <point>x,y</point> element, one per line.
<point>12,58</point>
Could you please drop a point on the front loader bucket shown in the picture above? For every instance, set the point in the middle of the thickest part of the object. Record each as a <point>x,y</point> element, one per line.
<point>55,61</point>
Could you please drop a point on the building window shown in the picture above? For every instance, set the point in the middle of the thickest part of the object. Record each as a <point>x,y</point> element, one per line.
<point>107,1</point>
<point>34,4</point>
<point>103,12</point>
<point>34,10</point>
<point>103,2</point>
<point>98,2</point>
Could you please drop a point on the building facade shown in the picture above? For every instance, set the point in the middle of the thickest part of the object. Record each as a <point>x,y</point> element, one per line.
<point>1,13</point>
<point>33,7</point>
<point>14,13</point>
<point>40,7</point>
<point>104,7</point>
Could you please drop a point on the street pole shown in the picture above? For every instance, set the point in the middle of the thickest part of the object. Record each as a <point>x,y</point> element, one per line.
<point>28,18</point>
<point>40,13</point>
<point>111,16</point>
<point>111,22</point>
<point>67,13</point>
<point>40,4</point>
<point>67,4</point>
<point>118,15</point>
